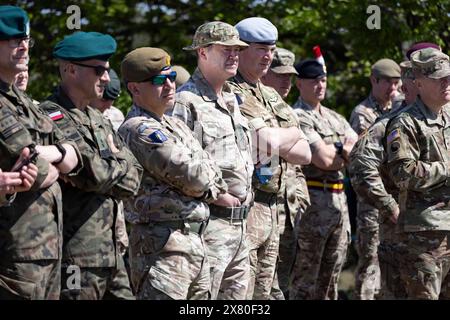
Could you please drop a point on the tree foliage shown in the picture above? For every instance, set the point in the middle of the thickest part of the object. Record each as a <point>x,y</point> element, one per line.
<point>339,27</point>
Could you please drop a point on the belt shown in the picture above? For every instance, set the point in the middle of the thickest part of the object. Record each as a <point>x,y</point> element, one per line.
<point>265,197</point>
<point>185,226</point>
<point>332,186</point>
<point>232,213</point>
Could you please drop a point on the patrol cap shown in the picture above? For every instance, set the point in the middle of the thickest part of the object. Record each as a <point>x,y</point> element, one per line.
<point>406,70</point>
<point>81,46</point>
<point>430,62</point>
<point>112,89</point>
<point>310,69</point>
<point>419,46</point>
<point>257,30</point>
<point>386,68</point>
<point>182,75</point>
<point>215,32</point>
<point>14,23</point>
<point>144,63</point>
<point>283,62</point>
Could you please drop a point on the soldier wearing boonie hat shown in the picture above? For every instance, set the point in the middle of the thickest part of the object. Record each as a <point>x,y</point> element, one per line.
<point>179,179</point>
<point>31,212</point>
<point>318,261</point>
<point>207,105</point>
<point>280,72</point>
<point>273,121</point>
<point>414,141</point>
<point>91,198</point>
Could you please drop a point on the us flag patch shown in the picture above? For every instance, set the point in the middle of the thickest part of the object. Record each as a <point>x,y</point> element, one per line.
<point>56,115</point>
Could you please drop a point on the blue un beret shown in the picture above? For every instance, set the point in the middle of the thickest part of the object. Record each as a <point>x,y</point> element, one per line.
<point>310,69</point>
<point>258,30</point>
<point>14,23</point>
<point>81,46</point>
<point>112,89</point>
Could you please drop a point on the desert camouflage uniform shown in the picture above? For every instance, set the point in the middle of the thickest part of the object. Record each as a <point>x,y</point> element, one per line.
<point>323,233</point>
<point>373,185</point>
<point>261,103</point>
<point>169,215</point>
<point>31,226</point>
<point>90,202</point>
<point>418,154</point>
<point>224,133</point>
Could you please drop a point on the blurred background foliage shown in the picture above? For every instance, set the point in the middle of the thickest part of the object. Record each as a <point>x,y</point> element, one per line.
<point>339,27</point>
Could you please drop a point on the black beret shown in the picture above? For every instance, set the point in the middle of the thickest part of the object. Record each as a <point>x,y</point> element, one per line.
<point>310,69</point>
<point>112,90</point>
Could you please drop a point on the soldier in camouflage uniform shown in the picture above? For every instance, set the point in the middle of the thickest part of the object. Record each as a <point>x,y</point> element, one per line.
<point>169,215</point>
<point>111,172</point>
<point>385,77</point>
<point>293,197</point>
<point>209,108</point>
<point>323,233</point>
<point>418,161</point>
<point>31,225</point>
<point>275,125</point>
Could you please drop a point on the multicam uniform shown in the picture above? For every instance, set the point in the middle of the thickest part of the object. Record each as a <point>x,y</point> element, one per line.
<point>224,133</point>
<point>262,105</point>
<point>373,185</point>
<point>324,231</point>
<point>418,155</point>
<point>170,214</point>
<point>31,226</point>
<point>90,202</point>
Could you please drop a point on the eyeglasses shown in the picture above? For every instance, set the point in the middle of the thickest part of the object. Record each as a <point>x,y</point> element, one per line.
<point>160,79</point>
<point>15,43</point>
<point>99,70</point>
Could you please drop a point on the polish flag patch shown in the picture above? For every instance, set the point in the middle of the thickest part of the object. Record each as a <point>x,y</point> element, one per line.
<point>56,115</point>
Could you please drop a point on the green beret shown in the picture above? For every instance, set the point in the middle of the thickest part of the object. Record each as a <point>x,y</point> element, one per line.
<point>386,68</point>
<point>81,46</point>
<point>14,23</point>
<point>112,89</point>
<point>144,63</point>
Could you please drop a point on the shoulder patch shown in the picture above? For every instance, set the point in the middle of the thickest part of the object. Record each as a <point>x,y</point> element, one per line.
<point>157,136</point>
<point>56,115</point>
<point>393,135</point>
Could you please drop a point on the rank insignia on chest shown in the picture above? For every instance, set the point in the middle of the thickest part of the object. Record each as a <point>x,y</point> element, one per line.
<point>157,136</point>
<point>56,115</point>
<point>393,135</point>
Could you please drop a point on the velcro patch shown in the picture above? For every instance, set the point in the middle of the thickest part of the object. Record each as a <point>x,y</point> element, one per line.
<point>56,115</point>
<point>9,126</point>
<point>157,136</point>
<point>393,135</point>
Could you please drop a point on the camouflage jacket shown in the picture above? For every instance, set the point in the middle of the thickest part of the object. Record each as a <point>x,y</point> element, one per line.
<point>418,155</point>
<point>31,226</point>
<point>326,125</point>
<point>369,176</point>
<point>90,199</point>
<point>179,176</point>
<point>221,129</point>
<point>368,111</point>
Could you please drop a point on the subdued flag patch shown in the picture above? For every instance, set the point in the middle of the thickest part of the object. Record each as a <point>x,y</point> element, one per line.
<point>157,136</point>
<point>393,135</point>
<point>56,115</point>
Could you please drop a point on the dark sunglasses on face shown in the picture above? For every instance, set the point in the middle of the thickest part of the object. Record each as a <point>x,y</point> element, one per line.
<point>99,70</point>
<point>160,79</point>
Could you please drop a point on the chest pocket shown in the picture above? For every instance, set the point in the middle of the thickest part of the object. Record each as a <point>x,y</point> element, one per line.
<point>219,141</point>
<point>433,142</point>
<point>284,117</point>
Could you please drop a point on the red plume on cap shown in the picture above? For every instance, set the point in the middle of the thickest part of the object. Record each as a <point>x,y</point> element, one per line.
<point>319,57</point>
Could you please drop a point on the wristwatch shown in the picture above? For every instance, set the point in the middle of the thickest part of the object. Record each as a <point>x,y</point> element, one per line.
<point>339,147</point>
<point>62,150</point>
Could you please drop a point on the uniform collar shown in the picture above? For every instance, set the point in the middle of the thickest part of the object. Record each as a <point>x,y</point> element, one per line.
<point>430,116</point>
<point>137,111</point>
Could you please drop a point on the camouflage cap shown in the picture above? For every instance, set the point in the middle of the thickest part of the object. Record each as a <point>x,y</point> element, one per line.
<point>283,62</point>
<point>143,63</point>
<point>386,68</point>
<point>406,70</point>
<point>431,62</point>
<point>215,32</point>
<point>419,46</point>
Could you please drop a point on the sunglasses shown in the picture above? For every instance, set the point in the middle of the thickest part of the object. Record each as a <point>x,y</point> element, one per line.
<point>160,79</point>
<point>15,43</point>
<point>99,70</point>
